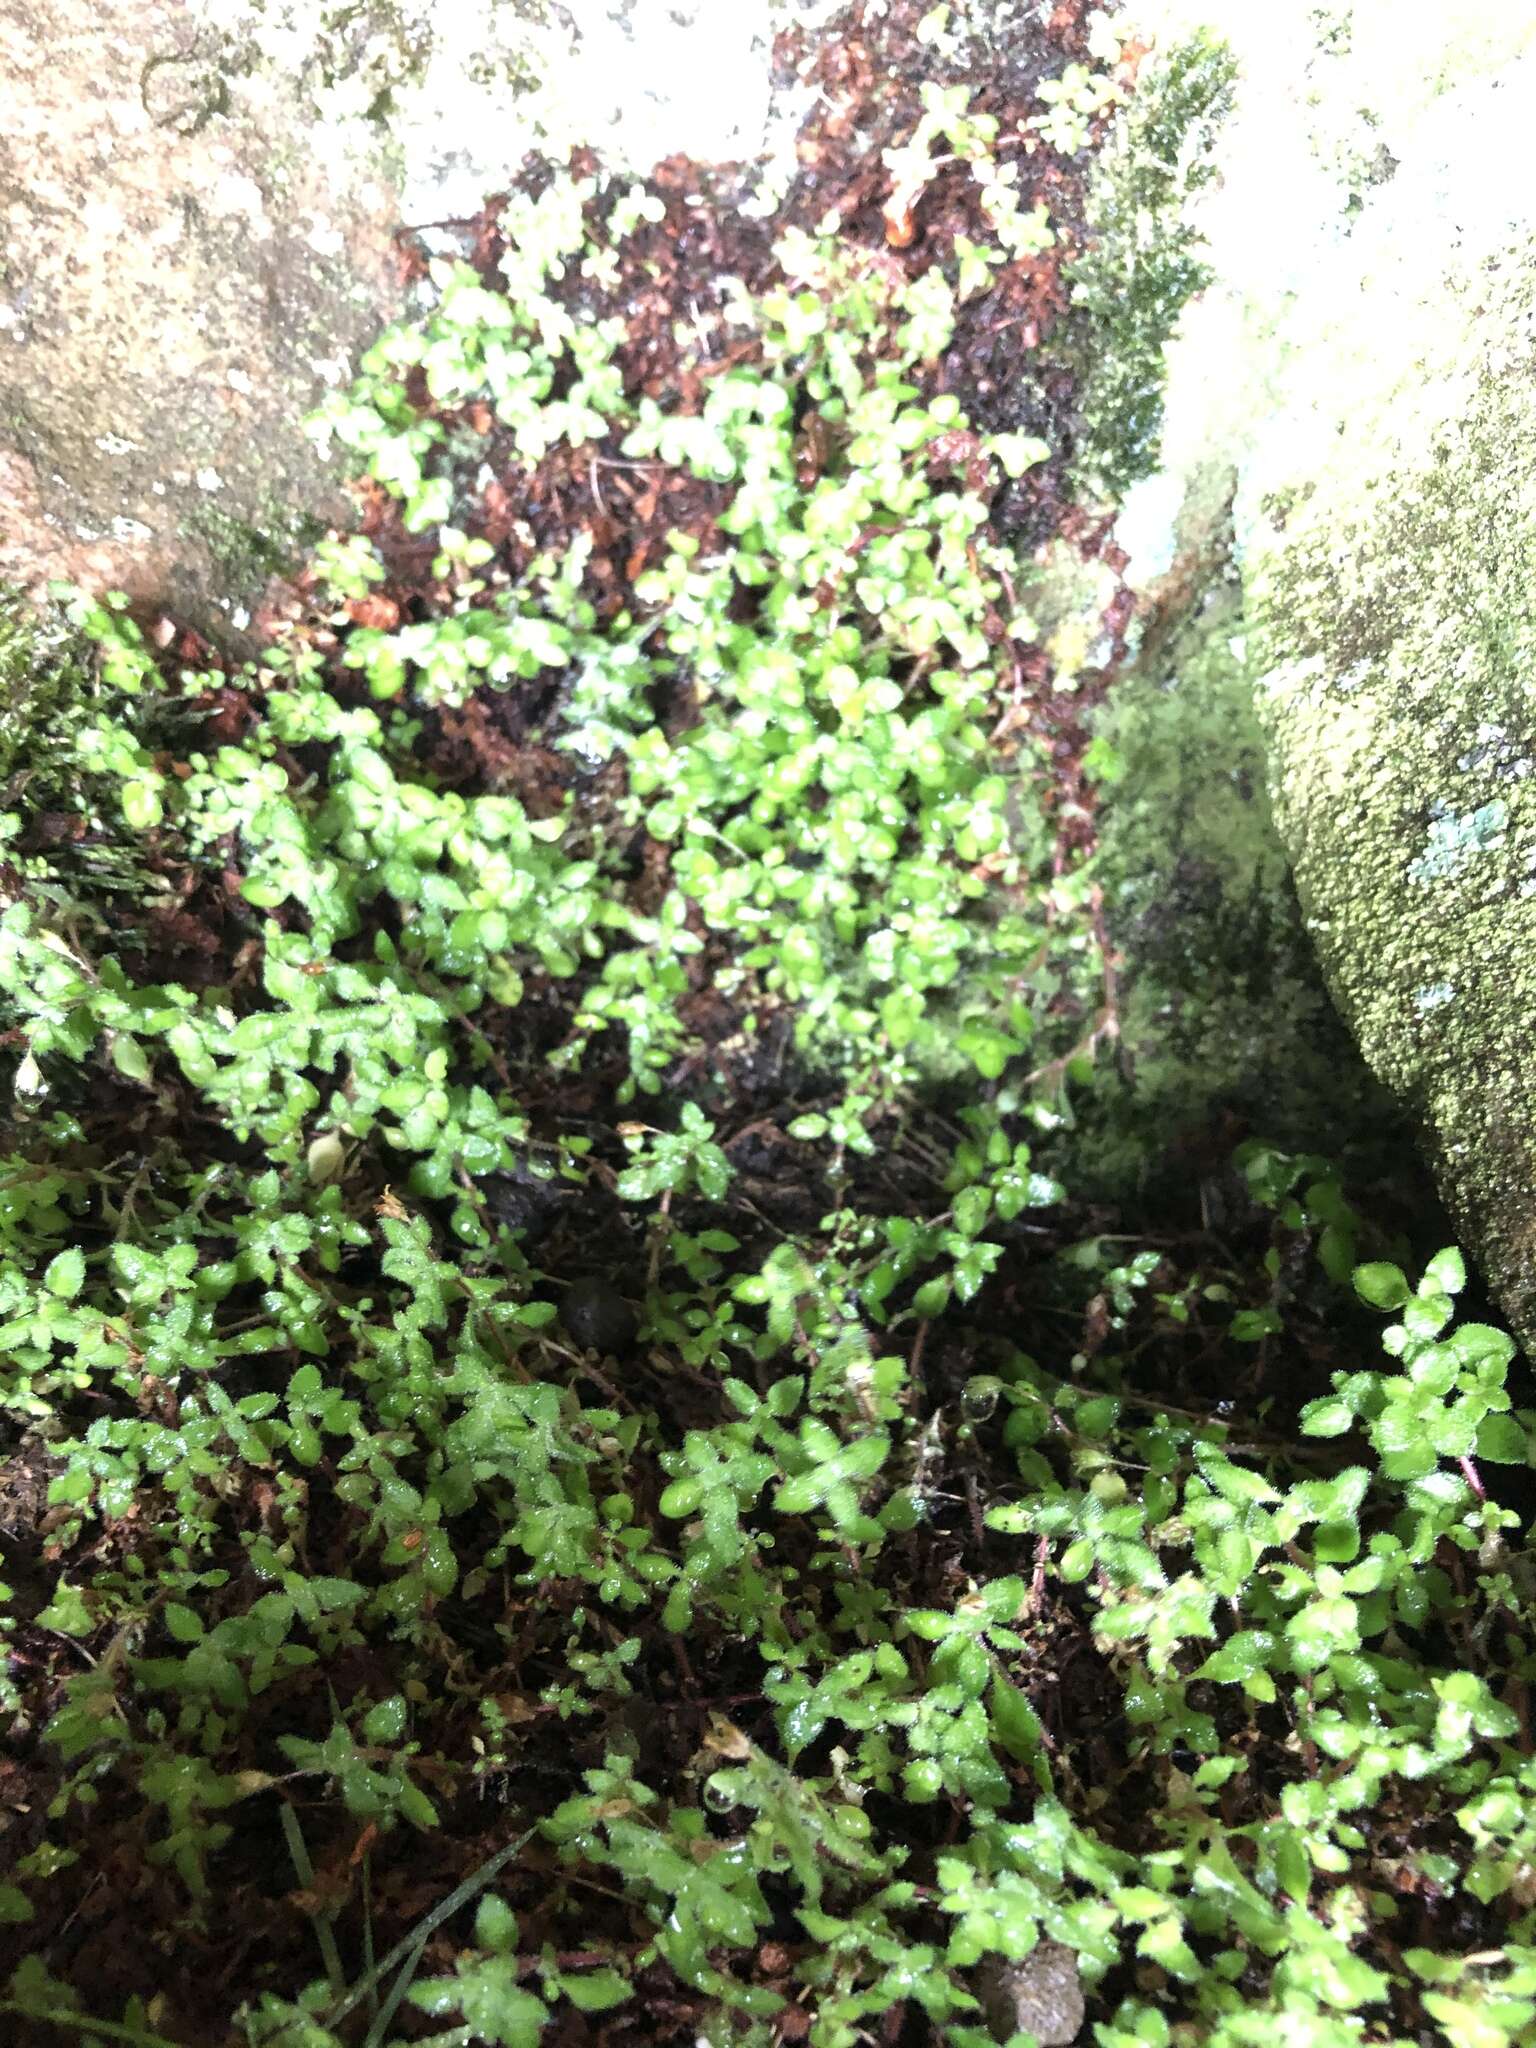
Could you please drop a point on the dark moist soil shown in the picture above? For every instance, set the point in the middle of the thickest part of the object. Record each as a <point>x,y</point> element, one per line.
<point>124,1928</point>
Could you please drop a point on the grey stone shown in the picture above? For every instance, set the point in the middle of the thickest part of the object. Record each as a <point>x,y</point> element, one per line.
<point>1040,1994</point>
<point>182,279</point>
<point>1394,584</point>
<point>200,201</point>
<point>1360,383</point>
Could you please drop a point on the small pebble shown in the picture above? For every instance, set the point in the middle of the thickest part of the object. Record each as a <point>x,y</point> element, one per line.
<point>599,1319</point>
<point>1041,1995</point>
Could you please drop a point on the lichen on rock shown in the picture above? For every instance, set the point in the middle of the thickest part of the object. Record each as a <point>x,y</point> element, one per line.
<point>1398,618</point>
<point>1225,1023</point>
<point>1356,385</point>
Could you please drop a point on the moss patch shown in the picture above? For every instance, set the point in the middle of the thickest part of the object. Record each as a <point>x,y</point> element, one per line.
<point>1225,1022</point>
<point>43,665</point>
<point>1398,625</point>
<point>247,552</point>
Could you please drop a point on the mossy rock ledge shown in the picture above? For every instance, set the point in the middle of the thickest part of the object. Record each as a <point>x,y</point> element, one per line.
<point>1387,523</point>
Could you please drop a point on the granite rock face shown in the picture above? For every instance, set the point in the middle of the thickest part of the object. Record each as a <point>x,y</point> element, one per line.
<point>200,202</point>
<point>183,276</point>
<point>1392,566</point>
<point>1359,387</point>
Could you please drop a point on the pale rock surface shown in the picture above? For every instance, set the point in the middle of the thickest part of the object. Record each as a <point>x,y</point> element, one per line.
<point>198,208</point>
<point>1354,402</point>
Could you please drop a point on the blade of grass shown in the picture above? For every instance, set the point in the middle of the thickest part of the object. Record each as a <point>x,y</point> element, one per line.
<point>330,1955</point>
<point>368,1955</point>
<point>87,2030</point>
<point>397,1991</point>
<point>459,1896</point>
